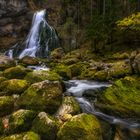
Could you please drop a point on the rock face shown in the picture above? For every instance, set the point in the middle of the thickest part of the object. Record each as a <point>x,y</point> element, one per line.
<point>14,21</point>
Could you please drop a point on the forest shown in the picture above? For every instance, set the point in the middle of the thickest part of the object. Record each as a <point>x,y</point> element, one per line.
<point>69,69</point>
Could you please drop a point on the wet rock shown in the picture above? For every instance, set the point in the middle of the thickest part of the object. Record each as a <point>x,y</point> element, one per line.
<point>27,60</point>
<point>13,86</point>
<point>23,136</point>
<point>6,105</point>
<point>20,121</point>
<point>6,62</point>
<point>122,99</point>
<point>68,108</point>
<point>81,127</point>
<point>42,96</point>
<point>38,76</point>
<point>45,126</point>
<point>18,72</point>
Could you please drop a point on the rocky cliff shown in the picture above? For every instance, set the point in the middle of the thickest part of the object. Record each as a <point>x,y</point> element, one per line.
<point>15,19</point>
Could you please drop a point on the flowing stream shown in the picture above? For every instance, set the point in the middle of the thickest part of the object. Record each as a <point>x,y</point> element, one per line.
<point>82,89</point>
<point>41,39</point>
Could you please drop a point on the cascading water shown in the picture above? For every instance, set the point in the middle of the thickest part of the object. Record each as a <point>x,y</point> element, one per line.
<point>41,39</point>
<point>78,89</point>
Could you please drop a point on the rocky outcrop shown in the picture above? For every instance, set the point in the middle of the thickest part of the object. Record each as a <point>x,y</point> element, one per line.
<point>15,19</point>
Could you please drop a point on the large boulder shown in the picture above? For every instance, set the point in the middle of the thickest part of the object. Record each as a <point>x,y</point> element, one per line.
<point>27,60</point>
<point>80,127</point>
<point>63,71</point>
<point>18,72</point>
<point>20,121</point>
<point>23,136</point>
<point>42,96</point>
<point>45,126</point>
<point>13,86</point>
<point>6,105</point>
<point>38,76</point>
<point>122,98</point>
<point>6,62</point>
<point>68,108</point>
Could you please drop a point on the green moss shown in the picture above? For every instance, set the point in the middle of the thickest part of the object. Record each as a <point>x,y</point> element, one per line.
<point>118,70</point>
<point>80,127</point>
<point>123,98</point>
<point>38,76</point>
<point>43,96</point>
<point>28,136</point>
<point>2,79</point>
<point>14,86</point>
<point>17,72</point>
<point>46,126</point>
<point>78,69</point>
<point>6,105</point>
<point>63,71</point>
<point>101,75</point>
<point>21,121</point>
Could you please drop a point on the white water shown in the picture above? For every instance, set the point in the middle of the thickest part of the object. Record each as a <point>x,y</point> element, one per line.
<point>32,42</point>
<point>78,87</point>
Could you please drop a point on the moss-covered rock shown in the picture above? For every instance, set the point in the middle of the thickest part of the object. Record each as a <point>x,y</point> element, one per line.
<point>2,79</point>
<point>18,72</point>
<point>119,69</point>
<point>13,86</point>
<point>78,68</point>
<point>23,136</point>
<point>63,71</point>
<point>69,106</point>
<point>57,54</point>
<point>27,60</point>
<point>101,75</point>
<point>45,126</point>
<point>42,96</point>
<point>21,121</point>
<point>38,76</point>
<point>6,105</point>
<point>70,61</point>
<point>6,62</point>
<point>80,127</point>
<point>122,99</point>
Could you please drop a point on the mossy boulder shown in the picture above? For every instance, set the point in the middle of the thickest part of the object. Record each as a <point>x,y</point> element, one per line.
<point>119,69</point>
<point>101,75</point>
<point>45,126</point>
<point>69,106</point>
<point>21,121</point>
<point>23,136</point>
<point>27,60</point>
<point>122,98</point>
<point>63,71</point>
<point>6,62</point>
<point>80,127</point>
<point>70,61</point>
<point>42,96</point>
<point>13,86</point>
<point>6,105</point>
<point>2,79</point>
<point>18,72</point>
<point>78,68</point>
<point>38,76</point>
<point>57,54</point>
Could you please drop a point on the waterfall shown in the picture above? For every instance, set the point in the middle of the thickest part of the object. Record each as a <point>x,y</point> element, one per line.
<point>41,39</point>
